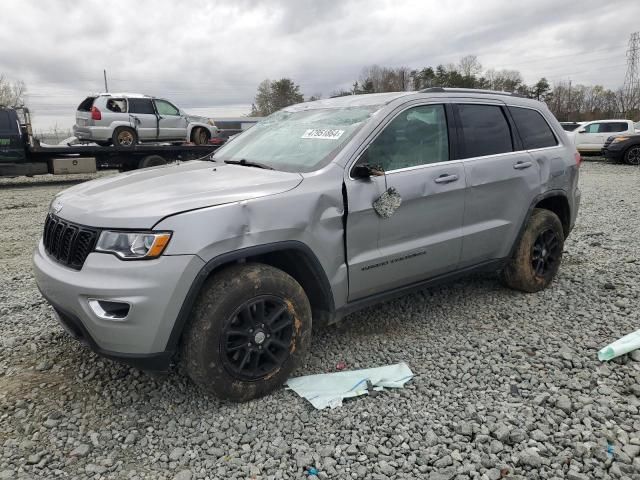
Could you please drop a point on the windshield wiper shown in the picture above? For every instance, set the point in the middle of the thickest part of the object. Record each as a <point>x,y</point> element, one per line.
<point>248,163</point>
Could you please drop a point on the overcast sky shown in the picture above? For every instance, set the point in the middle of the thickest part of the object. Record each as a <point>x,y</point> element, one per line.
<point>211,55</point>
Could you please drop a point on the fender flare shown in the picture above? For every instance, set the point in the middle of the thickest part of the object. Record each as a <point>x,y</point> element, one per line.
<point>536,200</point>
<point>230,257</point>
<point>193,125</point>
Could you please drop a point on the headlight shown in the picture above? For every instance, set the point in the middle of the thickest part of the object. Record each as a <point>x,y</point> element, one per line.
<point>133,245</point>
<point>211,122</point>
<point>619,139</point>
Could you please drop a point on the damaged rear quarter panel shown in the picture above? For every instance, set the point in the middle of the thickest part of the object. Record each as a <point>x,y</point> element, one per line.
<point>311,213</point>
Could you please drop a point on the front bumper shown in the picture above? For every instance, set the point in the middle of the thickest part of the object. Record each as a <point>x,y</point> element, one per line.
<point>615,154</point>
<point>154,289</point>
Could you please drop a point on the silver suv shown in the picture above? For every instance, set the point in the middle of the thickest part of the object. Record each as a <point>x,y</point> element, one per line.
<point>124,119</point>
<point>320,209</point>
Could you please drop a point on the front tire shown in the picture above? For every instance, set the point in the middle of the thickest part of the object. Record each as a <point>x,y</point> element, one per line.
<point>152,161</point>
<point>632,155</point>
<point>538,255</point>
<point>249,330</point>
<point>200,136</point>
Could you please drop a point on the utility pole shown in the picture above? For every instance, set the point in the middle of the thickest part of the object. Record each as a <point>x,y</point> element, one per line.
<point>106,88</point>
<point>631,88</point>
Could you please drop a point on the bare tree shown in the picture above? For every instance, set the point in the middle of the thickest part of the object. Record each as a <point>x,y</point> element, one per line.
<point>469,66</point>
<point>12,93</point>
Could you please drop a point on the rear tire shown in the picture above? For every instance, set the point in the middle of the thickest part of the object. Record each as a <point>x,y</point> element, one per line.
<point>152,161</point>
<point>249,330</point>
<point>200,136</point>
<point>538,255</point>
<point>125,137</point>
<point>632,155</point>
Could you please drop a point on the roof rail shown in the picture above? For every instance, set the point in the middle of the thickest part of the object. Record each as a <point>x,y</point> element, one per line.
<point>469,90</point>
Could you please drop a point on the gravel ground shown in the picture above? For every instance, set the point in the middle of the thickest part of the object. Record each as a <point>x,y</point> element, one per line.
<point>507,384</point>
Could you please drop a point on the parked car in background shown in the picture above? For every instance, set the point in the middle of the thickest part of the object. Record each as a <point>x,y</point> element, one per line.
<point>623,148</point>
<point>124,119</point>
<point>591,137</point>
<point>324,208</point>
<point>570,126</point>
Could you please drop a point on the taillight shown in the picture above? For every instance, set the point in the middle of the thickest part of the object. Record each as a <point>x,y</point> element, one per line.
<point>578,158</point>
<point>95,114</point>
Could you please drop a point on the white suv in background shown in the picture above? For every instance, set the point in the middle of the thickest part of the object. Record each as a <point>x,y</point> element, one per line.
<point>125,119</point>
<point>591,136</point>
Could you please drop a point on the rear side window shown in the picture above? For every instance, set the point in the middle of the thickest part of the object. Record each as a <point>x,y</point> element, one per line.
<point>612,127</point>
<point>141,105</point>
<point>485,130</point>
<point>533,128</point>
<point>86,104</point>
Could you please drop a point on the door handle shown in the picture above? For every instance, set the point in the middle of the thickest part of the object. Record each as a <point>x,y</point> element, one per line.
<point>446,178</point>
<point>522,165</point>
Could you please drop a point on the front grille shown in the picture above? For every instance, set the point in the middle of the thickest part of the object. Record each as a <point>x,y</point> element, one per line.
<point>68,243</point>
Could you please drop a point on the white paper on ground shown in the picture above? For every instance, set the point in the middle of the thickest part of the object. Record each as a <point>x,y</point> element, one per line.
<point>328,389</point>
<point>626,344</point>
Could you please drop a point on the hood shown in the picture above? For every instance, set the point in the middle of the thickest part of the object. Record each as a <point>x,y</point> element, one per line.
<point>142,198</point>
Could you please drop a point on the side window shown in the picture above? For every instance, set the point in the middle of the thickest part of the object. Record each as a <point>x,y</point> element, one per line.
<point>592,128</point>
<point>165,108</point>
<point>612,127</point>
<point>533,128</point>
<point>118,105</point>
<point>417,136</point>
<point>485,129</point>
<point>5,121</point>
<point>141,105</point>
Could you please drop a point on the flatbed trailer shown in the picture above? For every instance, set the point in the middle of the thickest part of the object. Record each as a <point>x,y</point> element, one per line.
<point>23,154</point>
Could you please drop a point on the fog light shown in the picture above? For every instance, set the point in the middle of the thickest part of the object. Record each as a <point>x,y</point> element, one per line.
<point>109,309</point>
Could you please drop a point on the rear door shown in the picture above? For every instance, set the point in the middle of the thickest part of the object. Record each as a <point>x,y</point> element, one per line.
<point>143,118</point>
<point>502,181</point>
<point>422,237</point>
<point>173,126</point>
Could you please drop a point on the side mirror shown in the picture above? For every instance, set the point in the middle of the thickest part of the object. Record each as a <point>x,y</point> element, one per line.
<point>364,170</point>
<point>582,130</point>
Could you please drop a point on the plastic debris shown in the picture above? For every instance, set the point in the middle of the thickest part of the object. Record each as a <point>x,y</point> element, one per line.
<point>329,389</point>
<point>341,366</point>
<point>387,203</point>
<point>312,471</point>
<point>626,344</point>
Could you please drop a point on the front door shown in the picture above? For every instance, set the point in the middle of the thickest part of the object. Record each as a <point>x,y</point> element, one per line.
<point>591,137</point>
<point>422,237</point>
<point>173,125</point>
<point>143,118</point>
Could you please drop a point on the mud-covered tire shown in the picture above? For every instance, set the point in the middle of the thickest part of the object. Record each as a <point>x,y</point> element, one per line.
<point>125,137</point>
<point>213,351</point>
<point>152,161</point>
<point>538,255</point>
<point>632,155</point>
<point>200,136</point>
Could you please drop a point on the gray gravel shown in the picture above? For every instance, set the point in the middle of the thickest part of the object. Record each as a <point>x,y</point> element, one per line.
<point>507,385</point>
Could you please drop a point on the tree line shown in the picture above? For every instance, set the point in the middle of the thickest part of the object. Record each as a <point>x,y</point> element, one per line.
<point>567,102</point>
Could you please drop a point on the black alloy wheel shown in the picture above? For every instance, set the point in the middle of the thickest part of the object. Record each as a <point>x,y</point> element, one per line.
<point>545,253</point>
<point>257,337</point>
<point>632,157</point>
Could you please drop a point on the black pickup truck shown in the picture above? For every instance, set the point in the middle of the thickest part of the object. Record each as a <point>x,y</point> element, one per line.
<point>22,154</point>
<point>623,148</point>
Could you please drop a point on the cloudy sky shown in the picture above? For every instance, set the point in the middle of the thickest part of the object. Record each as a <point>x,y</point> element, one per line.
<point>209,56</point>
